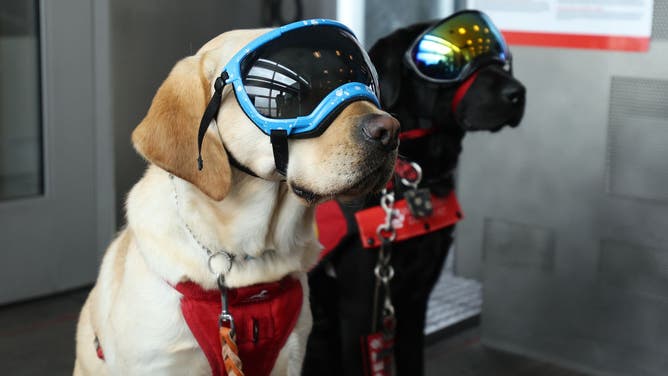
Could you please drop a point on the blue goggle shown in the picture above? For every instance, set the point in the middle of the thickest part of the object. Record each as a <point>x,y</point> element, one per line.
<point>294,80</point>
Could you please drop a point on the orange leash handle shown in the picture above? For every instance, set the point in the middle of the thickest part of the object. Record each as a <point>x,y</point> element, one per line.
<point>229,349</point>
<point>230,352</point>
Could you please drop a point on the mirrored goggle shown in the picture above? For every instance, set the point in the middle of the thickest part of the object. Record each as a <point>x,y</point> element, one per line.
<point>454,48</point>
<point>299,79</point>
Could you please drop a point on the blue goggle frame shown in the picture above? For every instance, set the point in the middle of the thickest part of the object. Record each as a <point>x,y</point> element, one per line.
<point>303,124</point>
<point>279,130</point>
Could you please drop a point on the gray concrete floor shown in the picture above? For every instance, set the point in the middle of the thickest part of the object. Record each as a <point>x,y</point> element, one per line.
<point>464,355</point>
<point>37,338</point>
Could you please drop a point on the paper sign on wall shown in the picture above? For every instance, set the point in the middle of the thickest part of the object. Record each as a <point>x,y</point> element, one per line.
<point>624,25</point>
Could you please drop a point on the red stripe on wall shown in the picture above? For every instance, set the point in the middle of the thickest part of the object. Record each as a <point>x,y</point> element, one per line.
<point>600,42</point>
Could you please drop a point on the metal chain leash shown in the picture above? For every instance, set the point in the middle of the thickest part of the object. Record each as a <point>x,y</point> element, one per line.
<point>383,271</point>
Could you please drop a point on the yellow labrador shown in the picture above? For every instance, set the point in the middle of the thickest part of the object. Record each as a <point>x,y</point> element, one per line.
<point>176,212</point>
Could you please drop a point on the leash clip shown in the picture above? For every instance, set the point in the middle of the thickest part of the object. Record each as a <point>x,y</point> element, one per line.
<point>225,315</point>
<point>386,231</point>
<point>387,201</point>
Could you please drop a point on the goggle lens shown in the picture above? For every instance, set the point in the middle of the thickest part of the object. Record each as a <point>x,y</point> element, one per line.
<point>449,49</point>
<point>290,76</point>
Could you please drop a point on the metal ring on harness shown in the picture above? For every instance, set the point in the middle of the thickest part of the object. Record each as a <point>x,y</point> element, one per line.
<point>229,257</point>
<point>385,228</point>
<point>384,272</point>
<point>418,179</point>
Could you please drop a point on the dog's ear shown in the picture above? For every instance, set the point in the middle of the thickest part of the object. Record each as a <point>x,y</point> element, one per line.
<point>167,137</point>
<point>387,55</point>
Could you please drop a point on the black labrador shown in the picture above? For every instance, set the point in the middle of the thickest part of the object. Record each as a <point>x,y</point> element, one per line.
<point>342,285</point>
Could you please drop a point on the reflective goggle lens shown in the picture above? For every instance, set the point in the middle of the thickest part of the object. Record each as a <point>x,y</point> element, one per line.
<point>447,50</point>
<point>290,75</point>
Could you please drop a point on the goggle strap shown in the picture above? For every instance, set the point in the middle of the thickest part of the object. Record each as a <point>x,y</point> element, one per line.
<point>279,143</point>
<point>462,90</point>
<point>209,114</point>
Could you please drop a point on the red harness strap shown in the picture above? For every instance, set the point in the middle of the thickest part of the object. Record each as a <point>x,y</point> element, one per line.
<point>264,316</point>
<point>446,213</point>
<point>415,133</point>
<point>331,224</point>
<point>462,90</point>
<point>98,349</point>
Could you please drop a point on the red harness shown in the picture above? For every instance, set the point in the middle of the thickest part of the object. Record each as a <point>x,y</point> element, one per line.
<point>333,227</point>
<point>264,316</point>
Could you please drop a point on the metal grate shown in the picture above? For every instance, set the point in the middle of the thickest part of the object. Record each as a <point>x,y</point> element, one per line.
<point>660,21</point>
<point>452,301</point>
<point>638,139</point>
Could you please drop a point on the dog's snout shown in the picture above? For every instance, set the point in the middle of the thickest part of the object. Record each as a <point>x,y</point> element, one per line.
<point>514,93</point>
<point>382,130</point>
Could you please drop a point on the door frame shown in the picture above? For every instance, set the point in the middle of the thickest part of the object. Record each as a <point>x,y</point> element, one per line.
<point>54,242</point>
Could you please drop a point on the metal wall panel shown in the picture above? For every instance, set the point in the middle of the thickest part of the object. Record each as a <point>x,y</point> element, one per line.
<point>637,133</point>
<point>518,245</point>
<point>385,16</point>
<point>660,22</point>
<point>635,268</point>
<point>588,165</point>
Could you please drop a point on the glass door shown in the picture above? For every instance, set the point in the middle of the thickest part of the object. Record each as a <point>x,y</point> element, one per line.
<point>48,187</point>
<point>20,102</point>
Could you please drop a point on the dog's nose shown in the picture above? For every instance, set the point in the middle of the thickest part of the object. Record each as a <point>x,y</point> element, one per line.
<point>382,130</point>
<point>514,93</point>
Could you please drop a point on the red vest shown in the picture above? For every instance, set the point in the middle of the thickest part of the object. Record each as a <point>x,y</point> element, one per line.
<point>264,316</point>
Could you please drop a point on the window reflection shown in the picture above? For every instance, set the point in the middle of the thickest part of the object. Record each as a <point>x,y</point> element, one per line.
<point>275,90</point>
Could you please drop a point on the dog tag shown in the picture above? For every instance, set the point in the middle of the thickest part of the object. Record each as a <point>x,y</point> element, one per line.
<point>419,202</point>
<point>378,350</point>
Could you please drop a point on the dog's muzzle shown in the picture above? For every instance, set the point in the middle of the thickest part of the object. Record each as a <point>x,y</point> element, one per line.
<point>490,99</point>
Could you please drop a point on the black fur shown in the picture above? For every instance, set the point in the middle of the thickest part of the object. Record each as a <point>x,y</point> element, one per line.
<point>341,304</point>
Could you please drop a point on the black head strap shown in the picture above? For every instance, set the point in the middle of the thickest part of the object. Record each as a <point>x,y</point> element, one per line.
<point>279,142</point>
<point>209,114</point>
<point>279,138</point>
